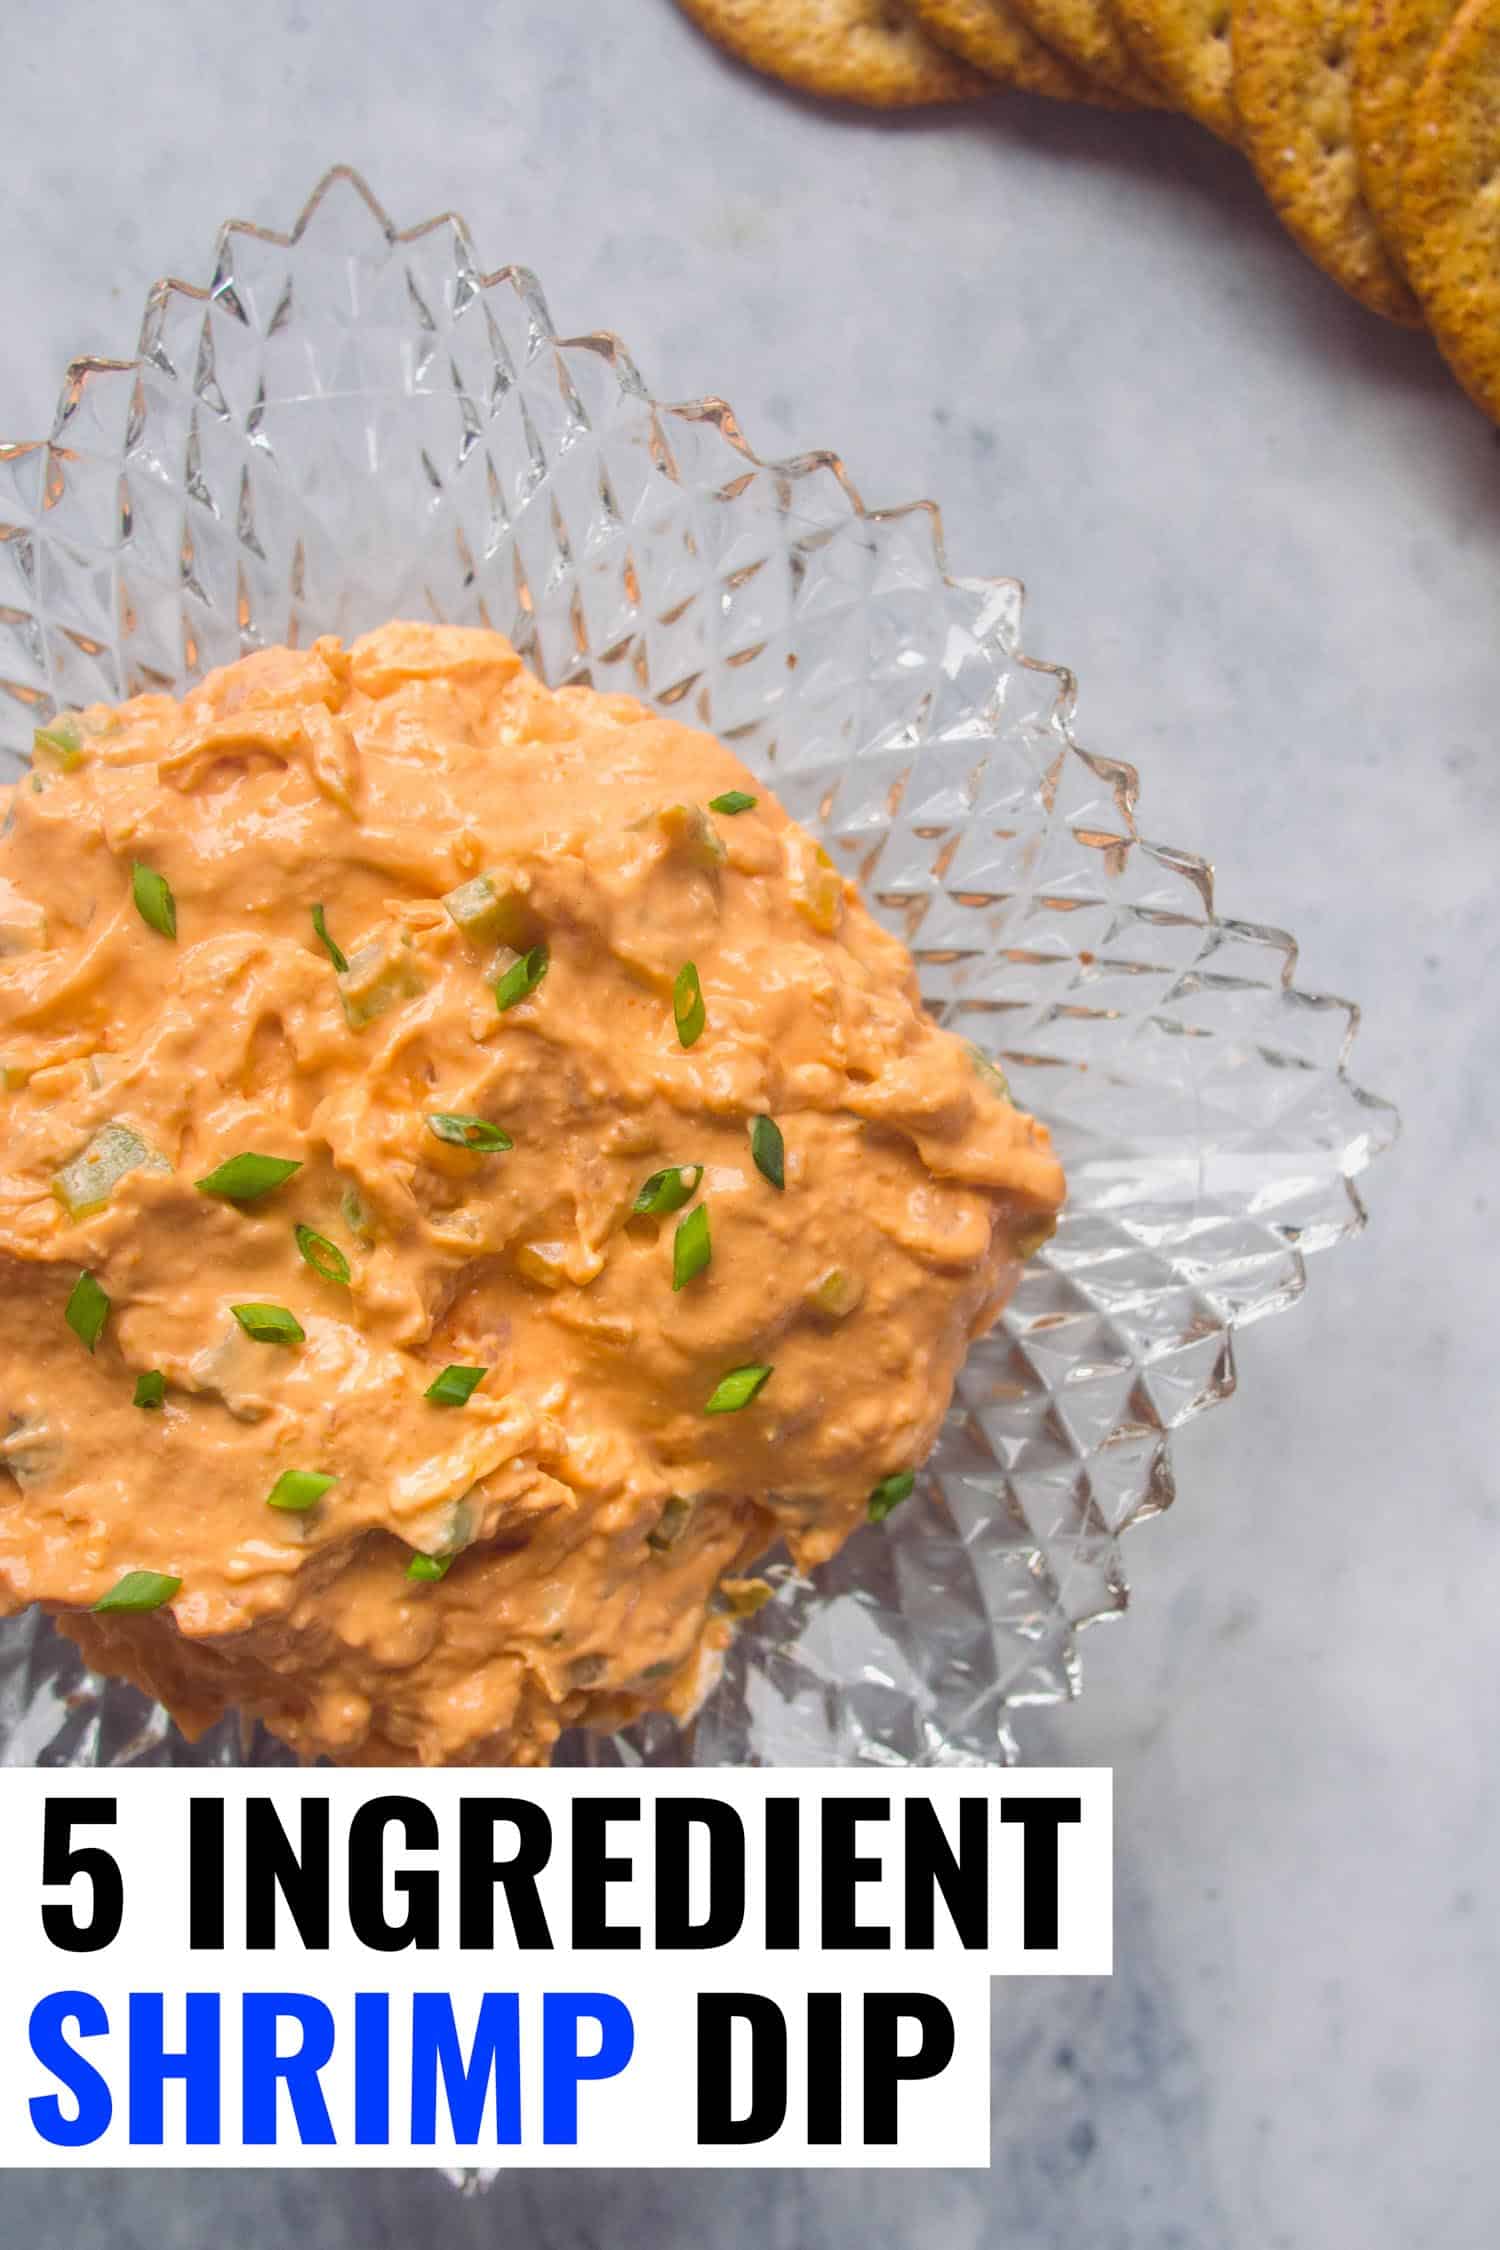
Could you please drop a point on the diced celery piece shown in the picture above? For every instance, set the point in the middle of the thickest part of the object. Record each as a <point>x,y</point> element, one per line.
<point>1028,1240</point>
<point>23,924</point>
<point>459,1530</point>
<point>993,1076</point>
<point>670,1525</point>
<point>442,1536</point>
<point>32,1455</point>
<point>88,1182</point>
<point>491,910</point>
<point>690,833</point>
<point>545,1263</point>
<point>742,1597</point>
<point>835,1294</point>
<point>381,974</point>
<point>58,745</point>
<point>818,891</point>
<point>230,1369</point>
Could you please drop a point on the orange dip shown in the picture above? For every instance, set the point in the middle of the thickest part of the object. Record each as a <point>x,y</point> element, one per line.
<point>582,1518</point>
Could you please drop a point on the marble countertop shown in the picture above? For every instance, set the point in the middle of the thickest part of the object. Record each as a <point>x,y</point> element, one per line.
<point>1264,530</point>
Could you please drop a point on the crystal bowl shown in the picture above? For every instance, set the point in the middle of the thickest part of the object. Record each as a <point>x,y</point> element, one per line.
<point>354,422</point>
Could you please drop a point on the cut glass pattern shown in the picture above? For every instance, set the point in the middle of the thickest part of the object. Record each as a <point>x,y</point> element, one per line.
<point>353,422</point>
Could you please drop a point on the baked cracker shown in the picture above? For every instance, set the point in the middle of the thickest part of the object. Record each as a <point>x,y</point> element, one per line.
<point>866,51</point>
<point>1293,72</point>
<point>1184,44</point>
<point>1396,42</point>
<point>1451,199</point>
<point>994,38</point>
<point>1088,34</point>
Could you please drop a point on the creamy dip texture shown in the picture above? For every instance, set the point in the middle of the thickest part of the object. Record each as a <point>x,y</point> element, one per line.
<point>473,1178</point>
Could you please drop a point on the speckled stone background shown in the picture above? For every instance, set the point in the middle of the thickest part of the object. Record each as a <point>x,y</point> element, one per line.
<point>1265,531</point>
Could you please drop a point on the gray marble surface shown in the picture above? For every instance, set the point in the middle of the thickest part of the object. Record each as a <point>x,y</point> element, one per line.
<point>1265,531</point>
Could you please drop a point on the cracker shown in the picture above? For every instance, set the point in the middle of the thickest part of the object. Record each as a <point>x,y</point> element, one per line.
<point>995,39</point>
<point>1293,67</point>
<point>866,51</point>
<point>1451,199</point>
<point>1184,44</point>
<point>1397,40</point>
<point>1087,34</point>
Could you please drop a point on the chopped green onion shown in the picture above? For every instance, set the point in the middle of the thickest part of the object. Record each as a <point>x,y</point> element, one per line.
<point>297,1490</point>
<point>60,744</point>
<point>521,978</point>
<point>455,1386</point>
<point>667,1191</point>
<point>326,1258</point>
<point>737,1389</point>
<point>769,1150</point>
<point>150,1388</point>
<point>687,1005</point>
<point>465,1131</point>
<point>153,899</point>
<point>691,1247</point>
<point>428,1569</point>
<point>670,1525</point>
<point>241,1179</point>
<point>355,1214</point>
<point>890,1492</point>
<point>733,801</point>
<point>270,1324</point>
<point>138,1591</point>
<point>334,952</point>
<point>87,1310</point>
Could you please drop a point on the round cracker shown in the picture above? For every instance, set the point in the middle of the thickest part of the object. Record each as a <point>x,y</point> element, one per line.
<point>867,51</point>
<point>1396,42</point>
<point>1087,33</point>
<point>1451,199</point>
<point>1184,44</point>
<point>1293,65</point>
<point>995,39</point>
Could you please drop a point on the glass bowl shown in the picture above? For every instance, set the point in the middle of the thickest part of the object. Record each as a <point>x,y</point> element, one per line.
<point>354,422</point>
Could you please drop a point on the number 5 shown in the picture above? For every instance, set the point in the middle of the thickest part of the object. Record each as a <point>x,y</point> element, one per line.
<point>62,1859</point>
